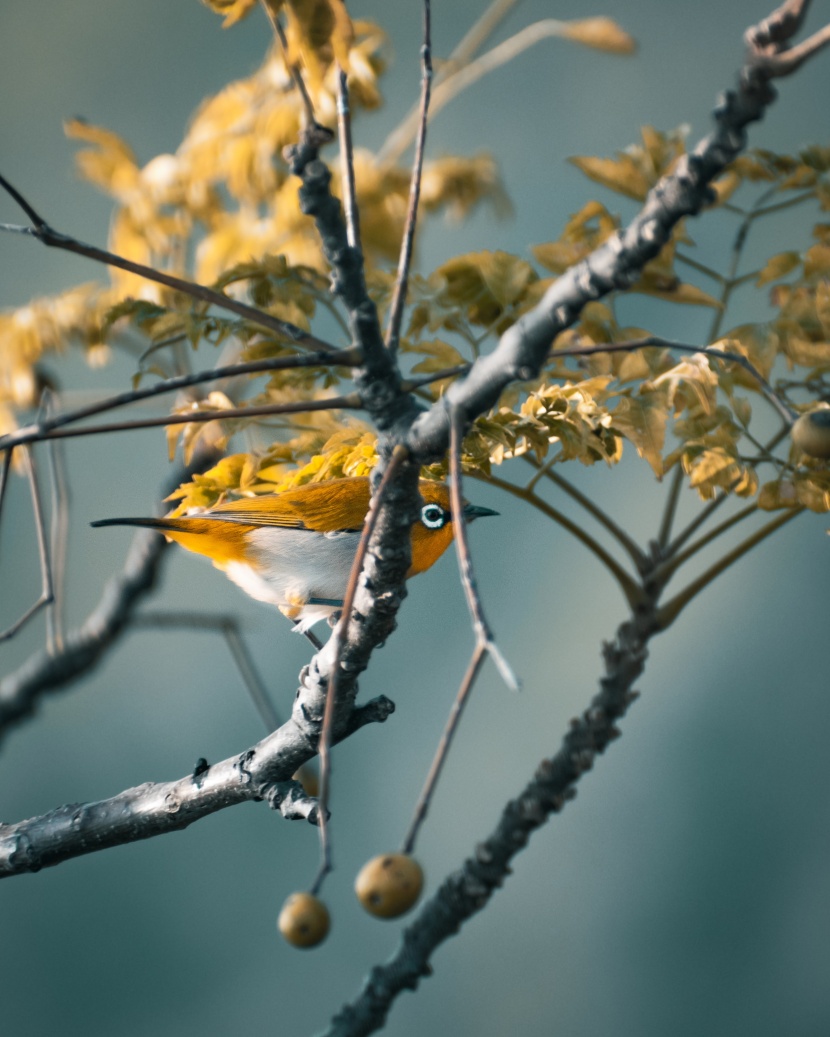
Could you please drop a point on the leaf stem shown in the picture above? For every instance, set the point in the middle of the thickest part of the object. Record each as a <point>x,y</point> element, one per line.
<point>619,534</point>
<point>630,588</point>
<point>669,612</point>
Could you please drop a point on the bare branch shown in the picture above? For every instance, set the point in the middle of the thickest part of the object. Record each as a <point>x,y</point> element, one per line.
<point>55,239</point>
<point>462,71</point>
<point>336,644</point>
<point>262,772</point>
<point>344,357</point>
<point>468,890</point>
<point>546,471</point>
<point>669,612</point>
<point>524,347</point>
<point>46,596</point>
<point>393,330</point>
<point>273,17</point>
<point>83,648</point>
<point>33,433</point>
<point>58,535</point>
<point>344,130</point>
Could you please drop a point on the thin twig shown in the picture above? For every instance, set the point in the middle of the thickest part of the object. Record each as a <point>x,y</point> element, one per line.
<point>5,468</point>
<point>344,130</point>
<point>485,643</point>
<point>460,78</point>
<point>619,534</point>
<point>697,522</point>
<point>441,753</point>
<point>228,627</point>
<point>344,357</point>
<point>670,509</point>
<point>336,642</point>
<point>672,564</point>
<point>393,329</point>
<point>478,34</point>
<point>46,590</point>
<point>33,434</point>
<point>58,536</point>
<point>52,238</point>
<point>292,69</point>
<point>481,628</point>
<point>783,63</point>
<point>669,612</point>
<point>630,588</point>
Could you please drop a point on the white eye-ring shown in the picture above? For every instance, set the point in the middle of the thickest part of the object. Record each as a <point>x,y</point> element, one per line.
<point>433,516</point>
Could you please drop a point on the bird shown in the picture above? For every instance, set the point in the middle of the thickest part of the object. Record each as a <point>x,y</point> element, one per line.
<point>295,549</point>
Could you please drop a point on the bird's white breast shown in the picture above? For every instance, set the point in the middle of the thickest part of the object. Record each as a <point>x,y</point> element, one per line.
<point>288,567</point>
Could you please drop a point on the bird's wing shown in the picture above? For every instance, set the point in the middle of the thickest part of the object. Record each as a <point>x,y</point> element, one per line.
<point>325,507</point>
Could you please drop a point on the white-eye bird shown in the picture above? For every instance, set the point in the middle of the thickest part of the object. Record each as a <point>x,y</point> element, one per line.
<point>295,549</point>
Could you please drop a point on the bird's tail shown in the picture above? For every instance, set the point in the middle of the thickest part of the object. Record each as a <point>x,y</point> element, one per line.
<point>164,525</point>
<point>222,542</point>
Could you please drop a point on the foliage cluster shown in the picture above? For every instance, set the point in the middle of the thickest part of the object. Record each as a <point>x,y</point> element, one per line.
<point>224,211</point>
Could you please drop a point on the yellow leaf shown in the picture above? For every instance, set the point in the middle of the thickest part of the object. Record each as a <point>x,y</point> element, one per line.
<point>817,261</point>
<point>642,420</point>
<point>233,11</point>
<point>778,494</point>
<point>778,266</point>
<point>621,175</point>
<point>633,367</point>
<point>672,289</point>
<point>813,489</point>
<point>110,162</point>
<point>318,32</point>
<point>601,34</point>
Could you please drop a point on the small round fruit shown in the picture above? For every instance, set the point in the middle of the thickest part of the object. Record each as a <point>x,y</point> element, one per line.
<point>309,780</point>
<point>811,433</point>
<point>388,886</point>
<point>304,920</point>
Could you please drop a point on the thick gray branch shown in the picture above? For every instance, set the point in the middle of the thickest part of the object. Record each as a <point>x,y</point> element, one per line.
<point>468,890</point>
<point>524,347</point>
<point>260,773</point>
<point>83,648</point>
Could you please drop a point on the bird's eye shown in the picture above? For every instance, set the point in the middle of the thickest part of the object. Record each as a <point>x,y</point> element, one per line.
<point>433,516</point>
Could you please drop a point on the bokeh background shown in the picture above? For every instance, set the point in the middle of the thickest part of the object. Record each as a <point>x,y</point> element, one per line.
<point>686,890</point>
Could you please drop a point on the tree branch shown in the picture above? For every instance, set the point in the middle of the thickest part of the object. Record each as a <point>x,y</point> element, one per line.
<point>344,357</point>
<point>262,772</point>
<point>468,890</point>
<point>52,238</point>
<point>393,330</point>
<point>83,648</point>
<point>523,348</point>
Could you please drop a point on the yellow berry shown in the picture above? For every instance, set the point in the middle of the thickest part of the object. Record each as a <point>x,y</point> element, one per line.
<point>388,886</point>
<point>811,432</point>
<point>304,920</point>
<point>308,779</point>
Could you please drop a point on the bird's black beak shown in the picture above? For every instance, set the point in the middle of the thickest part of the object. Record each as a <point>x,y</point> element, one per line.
<point>473,511</point>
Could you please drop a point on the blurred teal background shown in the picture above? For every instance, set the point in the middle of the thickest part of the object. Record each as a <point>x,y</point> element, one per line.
<point>686,891</point>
